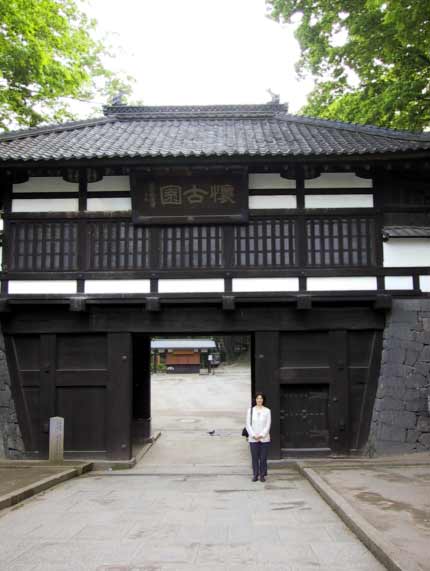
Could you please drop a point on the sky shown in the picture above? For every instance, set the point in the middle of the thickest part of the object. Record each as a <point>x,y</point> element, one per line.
<point>201,52</point>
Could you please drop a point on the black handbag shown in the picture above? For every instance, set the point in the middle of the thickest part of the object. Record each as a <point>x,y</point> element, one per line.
<point>244,431</point>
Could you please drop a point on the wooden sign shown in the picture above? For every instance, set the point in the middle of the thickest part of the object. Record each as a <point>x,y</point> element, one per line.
<point>193,199</point>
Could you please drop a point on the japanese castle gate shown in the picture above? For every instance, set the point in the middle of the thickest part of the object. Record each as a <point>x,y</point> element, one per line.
<point>302,233</point>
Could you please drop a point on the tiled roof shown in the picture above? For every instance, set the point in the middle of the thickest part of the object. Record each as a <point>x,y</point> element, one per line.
<point>209,131</point>
<point>406,231</point>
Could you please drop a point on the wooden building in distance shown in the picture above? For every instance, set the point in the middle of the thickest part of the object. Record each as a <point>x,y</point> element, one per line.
<point>184,355</point>
<point>309,236</point>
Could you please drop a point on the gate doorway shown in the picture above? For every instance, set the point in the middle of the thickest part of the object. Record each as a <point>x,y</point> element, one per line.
<point>194,391</point>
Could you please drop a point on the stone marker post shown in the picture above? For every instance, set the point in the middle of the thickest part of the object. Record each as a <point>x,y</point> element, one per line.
<point>56,439</point>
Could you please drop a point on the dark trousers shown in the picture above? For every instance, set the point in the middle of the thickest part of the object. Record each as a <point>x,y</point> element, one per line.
<point>259,452</point>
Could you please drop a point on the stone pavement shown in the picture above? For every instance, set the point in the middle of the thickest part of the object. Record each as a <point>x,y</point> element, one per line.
<point>127,521</point>
<point>14,477</point>
<point>188,505</point>
<point>392,494</point>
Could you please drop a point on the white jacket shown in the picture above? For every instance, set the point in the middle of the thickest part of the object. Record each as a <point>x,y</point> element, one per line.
<point>261,420</point>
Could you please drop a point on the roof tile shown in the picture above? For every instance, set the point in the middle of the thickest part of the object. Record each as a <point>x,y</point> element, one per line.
<point>224,130</point>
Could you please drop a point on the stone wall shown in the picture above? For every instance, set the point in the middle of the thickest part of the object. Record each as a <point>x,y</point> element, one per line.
<point>401,421</point>
<point>11,445</point>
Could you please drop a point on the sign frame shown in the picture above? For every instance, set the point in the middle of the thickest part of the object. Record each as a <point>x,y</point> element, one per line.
<point>205,198</point>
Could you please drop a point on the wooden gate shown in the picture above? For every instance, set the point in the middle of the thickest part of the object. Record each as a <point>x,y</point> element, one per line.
<point>328,381</point>
<point>84,378</point>
<point>304,416</point>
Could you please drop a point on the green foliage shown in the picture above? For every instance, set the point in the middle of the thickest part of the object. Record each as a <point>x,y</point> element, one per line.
<point>47,56</point>
<point>371,58</point>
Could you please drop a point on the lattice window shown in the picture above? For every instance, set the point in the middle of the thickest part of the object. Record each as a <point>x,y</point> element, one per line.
<point>43,246</point>
<point>340,241</point>
<point>191,247</point>
<point>265,243</point>
<point>117,245</point>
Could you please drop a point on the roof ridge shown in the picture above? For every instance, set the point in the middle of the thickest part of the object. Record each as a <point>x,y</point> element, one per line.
<point>357,127</point>
<point>53,128</point>
<point>173,112</point>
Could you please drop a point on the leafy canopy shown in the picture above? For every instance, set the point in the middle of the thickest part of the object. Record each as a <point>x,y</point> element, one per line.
<point>47,57</point>
<point>371,58</point>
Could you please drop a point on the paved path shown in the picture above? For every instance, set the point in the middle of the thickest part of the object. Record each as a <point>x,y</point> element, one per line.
<point>198,522</point>
<point>189,505</point>
<point>393,495</point>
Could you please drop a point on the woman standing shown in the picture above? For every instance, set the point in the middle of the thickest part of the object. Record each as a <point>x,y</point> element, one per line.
<point>258,421</point>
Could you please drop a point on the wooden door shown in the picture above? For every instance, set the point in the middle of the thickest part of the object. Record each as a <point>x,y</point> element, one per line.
<point>304,416</point>
<point>84,378</point>
<point>328,382</point>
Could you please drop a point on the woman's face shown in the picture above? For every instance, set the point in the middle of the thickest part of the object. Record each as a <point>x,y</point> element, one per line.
<point>259,400</point>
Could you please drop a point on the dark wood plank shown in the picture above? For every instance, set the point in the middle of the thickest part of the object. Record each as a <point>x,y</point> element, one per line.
<point>266,371</point>
<point>119,396</point>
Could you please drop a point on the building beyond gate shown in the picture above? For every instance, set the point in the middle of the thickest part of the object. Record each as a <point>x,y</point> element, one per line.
<point>149,221</point>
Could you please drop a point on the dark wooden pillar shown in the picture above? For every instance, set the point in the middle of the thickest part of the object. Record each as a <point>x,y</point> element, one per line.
<point>47,389</point>
<point>141,387</point>
<point>118,407</point>
<point>266,369</point>
<point>339,394</point>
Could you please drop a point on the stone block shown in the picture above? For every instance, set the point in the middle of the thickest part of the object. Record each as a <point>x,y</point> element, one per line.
<point>387,447</point>
<point>4,399</point>
<point>415,381</point>
<point>400,418</point>
<point>395,356</point>
<point>425,354</point>
<point>423,424</point>
<point>391,433</point>
<point>391,404</point>
<point>56,439</point>
<point>402,332</point>
<point>418,404</point>
<point>422,368</point>
<point>412,304</point>
<point>401,315</point>
<point>412,436</point>
<point>411,356</point>
<point>424,439</point>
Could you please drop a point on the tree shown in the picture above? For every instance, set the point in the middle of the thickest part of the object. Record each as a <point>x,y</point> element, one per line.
<point>47,57</point>
<point>371,58</point>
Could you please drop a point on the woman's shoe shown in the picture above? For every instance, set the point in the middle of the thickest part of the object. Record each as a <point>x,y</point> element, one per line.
<point>262,479</point>
<point>255,479</point>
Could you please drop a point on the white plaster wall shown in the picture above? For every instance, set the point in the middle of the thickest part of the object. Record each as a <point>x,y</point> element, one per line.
<point>339,201</point>
<point>269,180</point>
<point>265,284</point>
<point>191,286</point>
<point>46,184</point>
<point>117,286</point>
<point>339,180</point>
<point>406,252</point>
<point>42,286</point>
<point>399,282</point>
<point>353,283</point>
<point>110,204</point>
<point>45,205</point>
<point>272,202</point>
<point>425,283</point>
<point>110,184</point>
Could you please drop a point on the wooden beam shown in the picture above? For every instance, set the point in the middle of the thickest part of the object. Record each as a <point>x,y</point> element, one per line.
<point>228,303</point>
<point>153,304</point>
<point>304,302</point>
<point>78,304</point>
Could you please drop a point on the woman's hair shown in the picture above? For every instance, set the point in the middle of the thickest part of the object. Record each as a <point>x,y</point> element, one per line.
<point>260,395</point>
